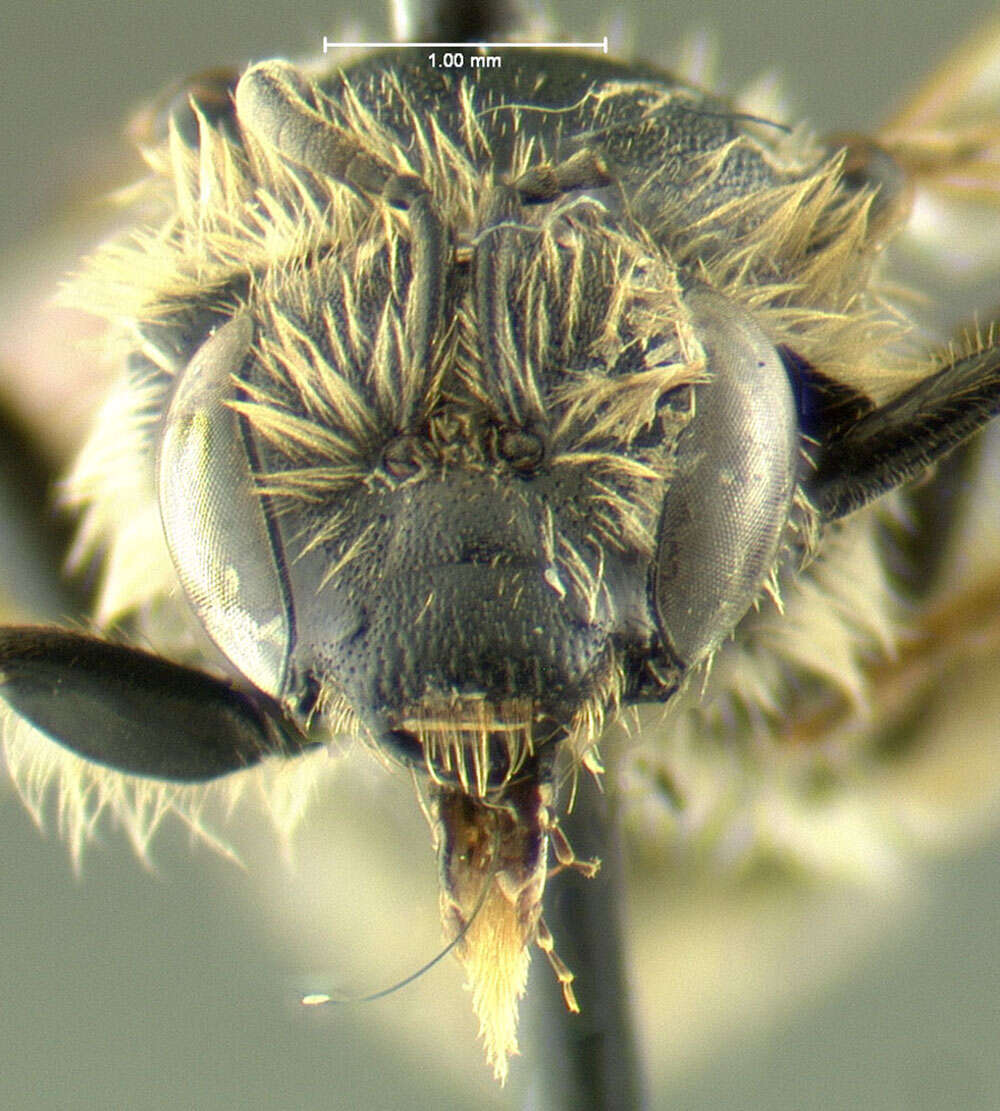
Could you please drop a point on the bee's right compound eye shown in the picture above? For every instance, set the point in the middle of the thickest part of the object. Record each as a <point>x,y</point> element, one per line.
<point>227,555</point>
<point>728,502</point>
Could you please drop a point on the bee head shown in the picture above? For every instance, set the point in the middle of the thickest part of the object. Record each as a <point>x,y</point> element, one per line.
<point>467,477</point>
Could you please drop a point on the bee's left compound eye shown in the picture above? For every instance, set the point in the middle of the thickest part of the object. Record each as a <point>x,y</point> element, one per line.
<point>227,556</point>
<point>728,502</point>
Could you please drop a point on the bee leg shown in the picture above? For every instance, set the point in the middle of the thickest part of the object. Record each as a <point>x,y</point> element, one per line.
<point>135,712</point>
<point>947,136</point>
<point>891,445</point>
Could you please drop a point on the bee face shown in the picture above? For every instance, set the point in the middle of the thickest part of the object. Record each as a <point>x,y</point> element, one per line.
<point>472,502</point>
<point>462,408</point>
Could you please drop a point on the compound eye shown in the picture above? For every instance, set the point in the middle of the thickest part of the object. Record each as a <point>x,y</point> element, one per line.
<point>728,502</point>
<point>227,556</point>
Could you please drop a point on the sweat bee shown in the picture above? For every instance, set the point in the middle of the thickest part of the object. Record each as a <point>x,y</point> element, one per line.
<point>436,383</point>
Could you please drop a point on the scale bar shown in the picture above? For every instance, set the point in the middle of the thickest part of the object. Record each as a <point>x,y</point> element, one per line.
<point>329,45</point>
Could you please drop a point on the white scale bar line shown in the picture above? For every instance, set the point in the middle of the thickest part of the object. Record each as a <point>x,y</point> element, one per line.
<point>602,45</point>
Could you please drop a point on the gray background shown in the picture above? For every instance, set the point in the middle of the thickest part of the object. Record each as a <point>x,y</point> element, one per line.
<point>169,990</point>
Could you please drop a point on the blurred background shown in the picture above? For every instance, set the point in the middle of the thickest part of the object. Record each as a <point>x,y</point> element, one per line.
<point>177,985</point>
